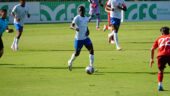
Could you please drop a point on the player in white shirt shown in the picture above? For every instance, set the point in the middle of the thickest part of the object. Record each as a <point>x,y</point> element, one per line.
<point>80,25</point>
<point>95,11</point>
<point>115,7</point>
<point>19,12</point>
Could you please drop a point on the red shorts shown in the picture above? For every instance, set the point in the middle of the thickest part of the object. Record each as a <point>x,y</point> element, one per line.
<point>162,61</point>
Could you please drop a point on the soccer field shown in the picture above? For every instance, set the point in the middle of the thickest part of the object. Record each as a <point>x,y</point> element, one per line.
<point>39,68</point>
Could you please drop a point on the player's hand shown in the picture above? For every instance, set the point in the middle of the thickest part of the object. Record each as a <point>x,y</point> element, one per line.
<point>112,9</point>
<point>151,63</point>
<point>90,1</point>
<point>17,19</point>
<point>101,5</point>
<point>9,30</point>
<point>124,7</point>
<point>28,15</point>
<point>87,33</point>
<point>77,29</point>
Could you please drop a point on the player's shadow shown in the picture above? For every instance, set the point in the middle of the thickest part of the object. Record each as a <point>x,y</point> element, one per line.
<point>150,73</point>
<point>65,67</point>
<point>139,42</point>
<point>9,64</point>
<point>57,50</point>
<point>47,50</point>
<point>45,68</point>
<point>165,90</point>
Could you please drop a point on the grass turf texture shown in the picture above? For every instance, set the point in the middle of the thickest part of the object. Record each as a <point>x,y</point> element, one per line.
<point>39,68</point>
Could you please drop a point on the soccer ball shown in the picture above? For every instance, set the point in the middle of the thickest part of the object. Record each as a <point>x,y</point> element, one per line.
<point>89,70</point>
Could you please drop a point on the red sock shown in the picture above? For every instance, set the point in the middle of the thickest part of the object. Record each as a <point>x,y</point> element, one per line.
<point>160,77</point>
<point>106,27</point>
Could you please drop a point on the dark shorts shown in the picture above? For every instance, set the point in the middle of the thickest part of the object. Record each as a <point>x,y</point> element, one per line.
<point>78,44</point>
<point>1,44</point>
<point>115,21</point>
<point>18,27</point>
<point>162,61</point>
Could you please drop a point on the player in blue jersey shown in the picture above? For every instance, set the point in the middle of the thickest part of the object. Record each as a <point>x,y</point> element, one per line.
<point>3,28</point>
<point>80,25</point>
<point>95,11</point>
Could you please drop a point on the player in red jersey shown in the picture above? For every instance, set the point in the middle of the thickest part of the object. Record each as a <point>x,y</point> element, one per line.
<point>163,57</point>
<point>106,27</point>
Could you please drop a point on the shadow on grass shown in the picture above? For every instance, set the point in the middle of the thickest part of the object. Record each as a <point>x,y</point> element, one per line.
<point>49,67</point>
<point>10,64</point>
<point>166,90</point>
<point>151,73</point>
<point>139,42</point>
<point>45,67</point>
<point>59,50</point>
<point>97,50</point>
<point>41,50</point>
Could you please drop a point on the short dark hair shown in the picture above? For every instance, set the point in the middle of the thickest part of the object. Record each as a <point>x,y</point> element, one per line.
<point>165,30</point>
<point>3,10</point>
<point>82,8</point>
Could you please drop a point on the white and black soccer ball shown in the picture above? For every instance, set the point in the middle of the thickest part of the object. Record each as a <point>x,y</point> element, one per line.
<point>89,70</point>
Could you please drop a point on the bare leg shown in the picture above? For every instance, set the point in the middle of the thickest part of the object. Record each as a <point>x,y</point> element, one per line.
<point>1,52</point>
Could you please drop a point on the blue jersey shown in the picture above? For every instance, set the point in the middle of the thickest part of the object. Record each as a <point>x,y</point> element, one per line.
<point>3,25</point>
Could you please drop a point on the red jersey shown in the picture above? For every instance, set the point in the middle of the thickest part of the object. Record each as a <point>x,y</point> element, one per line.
<point>108,15</point>
<point>163,45</point>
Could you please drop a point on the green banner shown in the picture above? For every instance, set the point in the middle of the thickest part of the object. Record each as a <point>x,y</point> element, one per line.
<point>147,11</point>
<point>63,12</point>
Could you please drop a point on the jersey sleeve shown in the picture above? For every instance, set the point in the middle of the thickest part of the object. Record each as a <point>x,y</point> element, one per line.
<point>155,44</point>
<point>108,3</point>
<point>14,10</point>
<point>75,20</point>
<point>27,10</point>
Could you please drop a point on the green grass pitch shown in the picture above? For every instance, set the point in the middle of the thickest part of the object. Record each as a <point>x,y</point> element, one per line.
<point>39,68</point>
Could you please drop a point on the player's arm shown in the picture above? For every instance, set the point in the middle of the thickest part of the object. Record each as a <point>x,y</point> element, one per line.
<point>90,1</point>
<point>88,32</point>
<point>152,56</point>
<point>108,8</point>
<point>73,26</point>
<point>13,13</point>
<point>28,15</point>
<point>27,12</point>
<point>8,30</point>
<point>122,7</point>
<point>101,3</point>
<point>155,45</point>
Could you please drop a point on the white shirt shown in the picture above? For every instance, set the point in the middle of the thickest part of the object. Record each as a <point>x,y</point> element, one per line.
<point>117,12</point>
<point>82,24</point>
<point>20,12</point>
